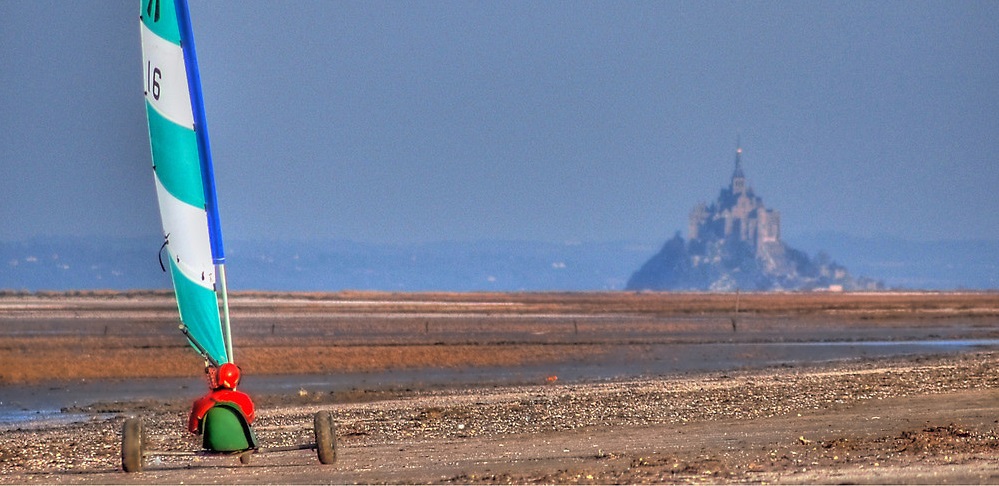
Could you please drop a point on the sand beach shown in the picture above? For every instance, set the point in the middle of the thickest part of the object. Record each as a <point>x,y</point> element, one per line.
<point>521,388</point>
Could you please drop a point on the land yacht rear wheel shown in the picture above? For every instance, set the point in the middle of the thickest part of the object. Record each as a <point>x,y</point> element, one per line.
<point>132,445</point>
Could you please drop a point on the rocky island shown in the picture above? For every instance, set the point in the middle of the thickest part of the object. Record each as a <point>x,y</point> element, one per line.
<point>734,244</point>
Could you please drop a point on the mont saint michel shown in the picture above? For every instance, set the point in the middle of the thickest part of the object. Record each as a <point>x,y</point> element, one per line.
<point>734,244</point>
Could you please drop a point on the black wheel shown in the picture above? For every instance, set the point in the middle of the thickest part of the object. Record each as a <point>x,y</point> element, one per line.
<point>325,437</point>
<point>246,457</point>
<point>132,445</point>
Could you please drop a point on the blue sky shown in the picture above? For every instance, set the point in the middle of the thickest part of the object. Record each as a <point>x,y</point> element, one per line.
<point>553,121</point>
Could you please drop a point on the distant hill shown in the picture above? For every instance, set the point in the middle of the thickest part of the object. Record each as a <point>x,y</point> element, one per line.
<point>120,264</point>
<point>123,264</point>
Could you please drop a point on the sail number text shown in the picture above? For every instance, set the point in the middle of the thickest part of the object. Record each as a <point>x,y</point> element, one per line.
<point>153,76</point>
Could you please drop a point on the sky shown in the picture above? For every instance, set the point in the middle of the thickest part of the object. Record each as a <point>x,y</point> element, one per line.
<point>400,122</point>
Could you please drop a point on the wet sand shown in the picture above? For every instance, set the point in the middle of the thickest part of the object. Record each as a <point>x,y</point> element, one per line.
<point>925,416</point>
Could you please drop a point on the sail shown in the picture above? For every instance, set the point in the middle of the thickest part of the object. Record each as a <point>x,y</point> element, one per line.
<point>182,167</point>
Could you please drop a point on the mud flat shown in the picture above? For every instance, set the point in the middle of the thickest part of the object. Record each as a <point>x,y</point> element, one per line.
<point>926,416</point>
<point>99,335</point>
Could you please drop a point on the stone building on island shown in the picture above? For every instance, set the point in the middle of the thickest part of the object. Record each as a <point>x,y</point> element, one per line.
<point>738,213</point>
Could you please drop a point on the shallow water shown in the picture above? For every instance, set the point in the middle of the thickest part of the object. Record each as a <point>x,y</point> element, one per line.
<point>41,405</point>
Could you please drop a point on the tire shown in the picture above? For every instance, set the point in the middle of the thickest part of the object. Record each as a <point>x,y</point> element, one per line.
<point>325,437</point>
<point>132,445</point>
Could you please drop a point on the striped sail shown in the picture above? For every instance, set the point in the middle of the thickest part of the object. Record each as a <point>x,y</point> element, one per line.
<point>183,173</point>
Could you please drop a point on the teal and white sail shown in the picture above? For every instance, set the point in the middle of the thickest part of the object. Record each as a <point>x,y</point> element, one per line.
<point>185,184</point>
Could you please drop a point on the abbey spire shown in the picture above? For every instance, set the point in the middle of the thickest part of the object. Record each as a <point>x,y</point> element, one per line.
<point>738,177</point>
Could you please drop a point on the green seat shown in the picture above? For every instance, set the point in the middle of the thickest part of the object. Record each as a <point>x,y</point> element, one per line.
<point>225,429</point>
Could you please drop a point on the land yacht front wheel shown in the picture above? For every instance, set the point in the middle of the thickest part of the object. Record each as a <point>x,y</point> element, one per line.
<point>325,437</point>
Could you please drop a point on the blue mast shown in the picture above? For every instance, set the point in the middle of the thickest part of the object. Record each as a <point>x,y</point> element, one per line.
<point>205,157</point>
<point>201,130</point>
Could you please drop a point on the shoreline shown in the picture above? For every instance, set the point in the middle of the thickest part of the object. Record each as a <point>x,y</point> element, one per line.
<point>56,400</point>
